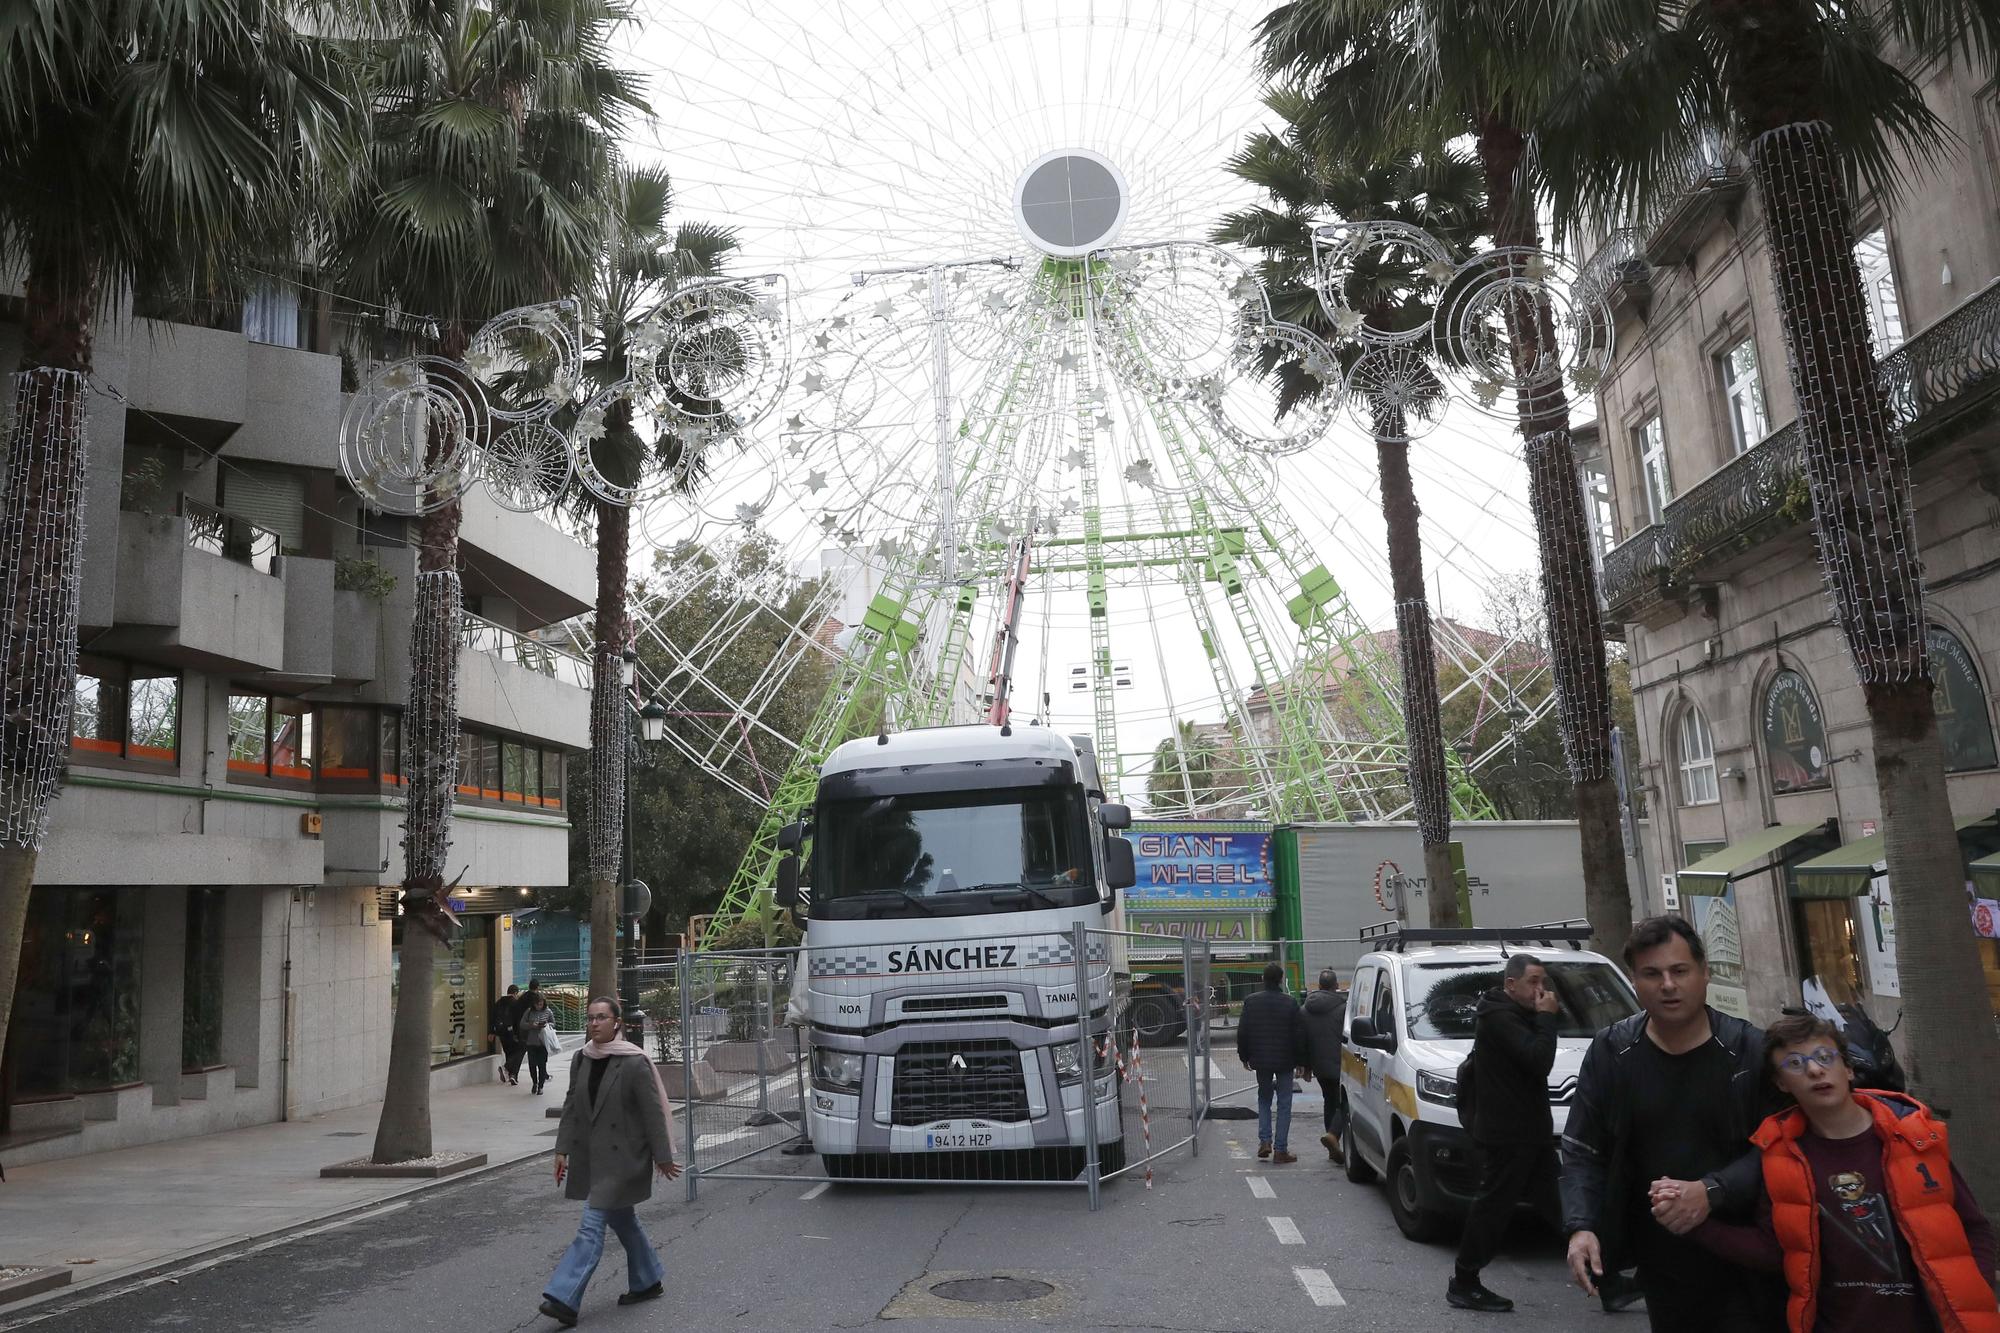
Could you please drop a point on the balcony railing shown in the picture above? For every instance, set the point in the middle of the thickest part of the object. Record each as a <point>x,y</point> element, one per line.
<point>1947,367</point>
<point>1689,199</point>
<point>483,636</point>
<point>236,539</point>
<point>1618,271</point>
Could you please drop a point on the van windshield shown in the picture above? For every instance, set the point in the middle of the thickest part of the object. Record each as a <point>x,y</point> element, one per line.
<point>951,853</point>
<point>1443,998</point>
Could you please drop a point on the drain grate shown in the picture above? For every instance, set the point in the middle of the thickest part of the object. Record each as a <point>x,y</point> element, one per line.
<point>991,1290</point>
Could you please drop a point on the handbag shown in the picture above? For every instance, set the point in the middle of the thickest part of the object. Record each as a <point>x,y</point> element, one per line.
<point>550,1041</point>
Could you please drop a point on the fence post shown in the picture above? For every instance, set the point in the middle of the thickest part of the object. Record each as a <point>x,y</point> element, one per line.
<point>1079,936</point>
<point>1197,1018</point>
<point>688,1092</point>
<point>763,1115</point>
<point>1207,1032</point>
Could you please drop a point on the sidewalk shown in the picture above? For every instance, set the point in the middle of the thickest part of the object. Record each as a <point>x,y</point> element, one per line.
<point>138,1208</point>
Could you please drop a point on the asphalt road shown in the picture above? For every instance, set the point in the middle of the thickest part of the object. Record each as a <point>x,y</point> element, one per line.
<point>1221,1242</point>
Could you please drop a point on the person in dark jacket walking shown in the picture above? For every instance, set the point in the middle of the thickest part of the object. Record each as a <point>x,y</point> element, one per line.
<point>504,1027</point>
<point>1324,1013</point>
<point>1513,1049</point>
<point>536,1022</point>
<point>1667,1098</point>
<point>1270,1038</point>
<point>615,1134</point>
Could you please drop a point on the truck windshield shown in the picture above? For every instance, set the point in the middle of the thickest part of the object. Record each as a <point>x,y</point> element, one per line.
<point>952,852</point>
<point>1443,997</point>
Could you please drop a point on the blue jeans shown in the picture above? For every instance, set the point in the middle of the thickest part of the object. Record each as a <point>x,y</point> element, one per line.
<point>579,1261</point>
<point>1279,1082</point>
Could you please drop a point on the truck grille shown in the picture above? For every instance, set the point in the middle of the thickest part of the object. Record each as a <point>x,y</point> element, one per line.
<point>939,1004</point>
<point>985,1084</point>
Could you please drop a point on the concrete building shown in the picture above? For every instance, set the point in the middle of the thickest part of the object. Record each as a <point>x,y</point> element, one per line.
<point>212,938</point>
<point>1756,759</point>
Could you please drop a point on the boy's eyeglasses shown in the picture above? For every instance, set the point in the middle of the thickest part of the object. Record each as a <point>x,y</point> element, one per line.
<point>1823,1056</point>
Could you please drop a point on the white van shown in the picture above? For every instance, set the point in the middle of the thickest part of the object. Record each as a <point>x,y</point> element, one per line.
<point>1409,1024</point>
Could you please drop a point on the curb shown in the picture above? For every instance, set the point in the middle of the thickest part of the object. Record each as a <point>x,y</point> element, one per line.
<point>34,1309</point>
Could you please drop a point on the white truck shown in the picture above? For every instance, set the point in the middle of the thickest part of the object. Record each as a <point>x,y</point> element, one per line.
<point>949,869</point>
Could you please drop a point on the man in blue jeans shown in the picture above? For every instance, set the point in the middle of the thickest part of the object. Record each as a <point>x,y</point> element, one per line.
<point>1270,1039</point>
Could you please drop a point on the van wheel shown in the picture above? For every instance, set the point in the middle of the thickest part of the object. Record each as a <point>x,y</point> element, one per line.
<point>1412,1220</point>
<point>1353,1167</point>
<point>1154,1020</point>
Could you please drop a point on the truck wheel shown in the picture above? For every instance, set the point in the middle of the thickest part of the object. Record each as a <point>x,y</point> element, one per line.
<point>1416,1222</point>
<point>1154,1020</point>
<point>1353,1167</point>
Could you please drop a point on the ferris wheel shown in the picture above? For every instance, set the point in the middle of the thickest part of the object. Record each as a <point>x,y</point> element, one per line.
<point>994,358</point>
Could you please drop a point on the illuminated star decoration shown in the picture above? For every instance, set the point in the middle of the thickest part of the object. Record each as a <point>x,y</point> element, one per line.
<point>815,481</point>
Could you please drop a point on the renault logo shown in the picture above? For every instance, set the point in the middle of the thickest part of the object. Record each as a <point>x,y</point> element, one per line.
<point>957,1063</point>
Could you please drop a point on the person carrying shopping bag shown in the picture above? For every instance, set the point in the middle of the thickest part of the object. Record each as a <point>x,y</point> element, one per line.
<point>538,1028</point>
<point>614,1135</point>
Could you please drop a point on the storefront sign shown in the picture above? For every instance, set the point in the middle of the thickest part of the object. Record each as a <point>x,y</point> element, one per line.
<point>1212,927</point>
<point>1964,727</point>
<point>1794,734</point>
<point>1201,863</point>
<point>1878,931</point>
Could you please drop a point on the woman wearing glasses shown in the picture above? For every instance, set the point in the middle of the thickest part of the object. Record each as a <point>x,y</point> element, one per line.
<point>1863,1212</point>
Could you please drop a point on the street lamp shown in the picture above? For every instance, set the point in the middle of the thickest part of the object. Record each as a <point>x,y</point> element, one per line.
<point>653,722</point>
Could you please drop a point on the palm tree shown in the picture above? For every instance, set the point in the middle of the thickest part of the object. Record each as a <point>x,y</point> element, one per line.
<point>1439,192</point>
<point>1812,90</point>
<point>1186,772</point>
<point>642,262</point>
<point>486,171</point>
<point>1385,74</point>
<point>123,165</point>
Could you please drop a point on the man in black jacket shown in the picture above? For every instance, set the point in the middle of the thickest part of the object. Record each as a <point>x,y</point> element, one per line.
<point>1270,1038</point>
<point>1325,1014</point>
<point>1665,1103</point>
<point>1513,1048</point>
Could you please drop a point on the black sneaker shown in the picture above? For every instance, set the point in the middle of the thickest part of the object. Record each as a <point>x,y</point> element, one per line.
<point>634,1297</point>
<point>1618,1293</point>
<point>1474,1296</point>
<point>559,1312</point>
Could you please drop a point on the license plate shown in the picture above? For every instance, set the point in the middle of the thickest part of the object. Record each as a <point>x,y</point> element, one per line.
<point>954,1140</point>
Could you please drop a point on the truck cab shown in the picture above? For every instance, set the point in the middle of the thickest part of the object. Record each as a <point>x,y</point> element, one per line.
<point>950,868</point>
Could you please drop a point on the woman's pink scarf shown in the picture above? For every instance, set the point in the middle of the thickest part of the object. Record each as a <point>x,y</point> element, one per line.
<point>619,1046</point>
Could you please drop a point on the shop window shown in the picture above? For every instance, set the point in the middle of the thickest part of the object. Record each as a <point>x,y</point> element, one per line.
<point>76,1009</point>
<point>1964,725</point>
<point>1697,759</point>
<point>1743,394</point>
<point>1829,946</point>
<point>1794,735</point>
<point>461,987</point>
<point>125,711</point>
<point>201,993</point>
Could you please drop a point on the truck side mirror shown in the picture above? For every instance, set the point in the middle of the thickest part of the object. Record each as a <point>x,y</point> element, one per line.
<point>791,835</point>
<point>787,889</point>
<point>1120,871</point>
<point>1114,816</point>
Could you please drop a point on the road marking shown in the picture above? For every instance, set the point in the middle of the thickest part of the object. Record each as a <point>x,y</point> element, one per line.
<point>1215,1071</point>
<point>1286,1230</point>
<point>1261,1187</point>
<point>1319,1286</point>
<point>817,1190</point>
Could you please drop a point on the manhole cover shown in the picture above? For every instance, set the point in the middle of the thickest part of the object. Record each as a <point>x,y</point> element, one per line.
<point>987,1290</point>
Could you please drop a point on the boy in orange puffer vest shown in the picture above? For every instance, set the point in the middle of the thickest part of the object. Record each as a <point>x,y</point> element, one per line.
<point>1863,1212</point>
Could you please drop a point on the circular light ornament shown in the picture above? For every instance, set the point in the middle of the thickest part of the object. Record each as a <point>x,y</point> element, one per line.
<point>1070,202</point>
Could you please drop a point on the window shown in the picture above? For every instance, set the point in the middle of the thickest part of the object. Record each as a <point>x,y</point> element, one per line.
<point>1743,395</point>
<point>496,768</point>
<point>201,985</point>
<point>1697,758</point>
<point>347,744</point>
<point>271,315</point>
<point>392,747</point>
<point>1596,479</point>
<point>125,710</point>
<point>1878,286</point>
<point>78,1005</point>
<point>270,737</point>
<point>1659,484</point>
<point>1383,1008</point>
<point>552,779</point>
<point>1443,998</point>
<point>512,769</point>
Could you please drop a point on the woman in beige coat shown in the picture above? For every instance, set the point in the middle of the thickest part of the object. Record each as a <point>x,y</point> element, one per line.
<point>614,1136</point>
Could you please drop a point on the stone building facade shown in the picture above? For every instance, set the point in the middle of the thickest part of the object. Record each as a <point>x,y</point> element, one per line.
<point>1755,759</point>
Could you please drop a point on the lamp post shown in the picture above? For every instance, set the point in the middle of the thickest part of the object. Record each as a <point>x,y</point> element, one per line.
<point>634,897</point>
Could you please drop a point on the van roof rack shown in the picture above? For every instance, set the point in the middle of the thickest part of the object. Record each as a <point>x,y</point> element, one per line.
<point>1396,937</point>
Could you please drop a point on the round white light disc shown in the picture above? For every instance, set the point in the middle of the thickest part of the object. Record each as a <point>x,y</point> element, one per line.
<point>1070,202</point>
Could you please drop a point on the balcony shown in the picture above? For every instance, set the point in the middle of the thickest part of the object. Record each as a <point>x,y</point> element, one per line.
<point>518,684</point>
<point>1709,185</point>
<point>1938,384</point>
<point>193,381</point>
<point>199,588</point>
<point>1619,274</point>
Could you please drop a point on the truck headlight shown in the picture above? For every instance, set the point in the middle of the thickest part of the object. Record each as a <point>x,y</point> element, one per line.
<point>836,1069</point>
<point>1437,1088</point>
<point>1069,1062</point>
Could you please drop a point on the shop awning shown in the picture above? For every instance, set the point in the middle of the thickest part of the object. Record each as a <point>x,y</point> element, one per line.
<point>1845,871</point>
<point>1711,875</point>
<point>1986,875</point>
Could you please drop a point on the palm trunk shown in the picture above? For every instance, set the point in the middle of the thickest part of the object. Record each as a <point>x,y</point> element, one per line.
<point>1859,475</point>
<point>609,737</point>
<point>1423,725</point>
<point>431,741</point>
<point>1575,616</point>
<point>41,553</point>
